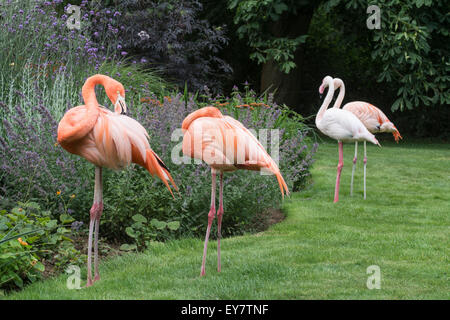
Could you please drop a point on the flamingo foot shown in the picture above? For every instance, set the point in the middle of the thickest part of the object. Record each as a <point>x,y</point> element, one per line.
<point>89,283</point>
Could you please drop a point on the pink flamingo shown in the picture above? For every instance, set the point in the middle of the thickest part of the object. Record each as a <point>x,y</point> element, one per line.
<point>341,125</point>
<point>107,139</point>
<point>225,145</point>
<point>373,119</point>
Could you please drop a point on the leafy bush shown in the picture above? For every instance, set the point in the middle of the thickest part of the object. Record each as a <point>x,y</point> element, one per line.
<point>169,37</point>
<point>27,236</point>
<point>411,47</point>
<point>259,23</point>
<point>143,231</point>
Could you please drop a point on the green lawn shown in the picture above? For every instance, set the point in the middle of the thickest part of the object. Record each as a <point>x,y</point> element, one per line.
<point>320,251</point>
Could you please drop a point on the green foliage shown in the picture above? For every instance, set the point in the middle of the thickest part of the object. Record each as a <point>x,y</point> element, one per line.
<point>27,236</point>
<point>412,47</point>
<point>255,17</point>
<point>143,231</point>
<point>134,78</point>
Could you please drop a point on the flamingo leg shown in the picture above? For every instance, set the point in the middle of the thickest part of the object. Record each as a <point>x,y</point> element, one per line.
<point>219,220</point>
<point>339,169</point>
<point>95,213</point>
<point>89,272</point>
<point>365,163</point>
<point>96,271</point>
<point>211,214</point>
<point>354,166</point>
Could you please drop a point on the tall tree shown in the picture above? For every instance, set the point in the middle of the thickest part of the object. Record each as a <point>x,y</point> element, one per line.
<point>275,29</point>
<point>411,46</point>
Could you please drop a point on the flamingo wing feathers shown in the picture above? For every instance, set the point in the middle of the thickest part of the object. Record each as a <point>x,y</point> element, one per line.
<point>113,142</point>
<point>77,123</point>
<point>225,144</point>
<point>372,117</point>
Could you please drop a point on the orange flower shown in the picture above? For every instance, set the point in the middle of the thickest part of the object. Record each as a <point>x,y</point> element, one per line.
<point>221,104</point>
<point>244,105</point>
<point>148,100</point>
<point>22,242</point>
<point>58,192</point>
<point>258,104</point>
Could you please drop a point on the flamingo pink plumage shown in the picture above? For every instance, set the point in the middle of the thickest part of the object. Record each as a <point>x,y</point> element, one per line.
<point>341,125</point>
<point>107,139</point>
<point>373,119</point>
<point>225,145</point>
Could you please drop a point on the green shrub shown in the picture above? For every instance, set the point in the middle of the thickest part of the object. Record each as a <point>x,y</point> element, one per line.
<point>27,236</point>
<point>143,231</point>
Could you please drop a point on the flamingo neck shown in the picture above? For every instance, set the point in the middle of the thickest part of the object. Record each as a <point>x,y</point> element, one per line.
<point>88,91</point>
<point>340,98</point>
<point>326,101</point>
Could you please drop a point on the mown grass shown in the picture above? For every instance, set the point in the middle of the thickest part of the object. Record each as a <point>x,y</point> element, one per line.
<point>320,251</point>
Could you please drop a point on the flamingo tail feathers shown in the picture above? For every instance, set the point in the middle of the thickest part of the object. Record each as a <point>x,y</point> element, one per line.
<point>272,167</point>
<point>155,166</point>
<point>283,186</point>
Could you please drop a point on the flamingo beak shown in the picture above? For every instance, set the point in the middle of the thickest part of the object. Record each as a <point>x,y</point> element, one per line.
<point>396,135</point>
<point>321,89</point>
<point>120,103</point>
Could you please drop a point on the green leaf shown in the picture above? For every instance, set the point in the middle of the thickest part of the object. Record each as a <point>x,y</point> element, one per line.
<point>31,204</point>
<point>139,218</point>
<point>18,281</point>
<point>158,224</point>
<point>51,224</point>
<point>127,247</point>
<point>39,266</point>
<point>6,255</point>
<point>130,232</point>
<point>173,225</point>
<point>18,211</point>
<point>65,218</point>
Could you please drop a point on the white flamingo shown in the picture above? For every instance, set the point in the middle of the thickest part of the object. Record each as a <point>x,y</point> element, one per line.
<point>341,125</point>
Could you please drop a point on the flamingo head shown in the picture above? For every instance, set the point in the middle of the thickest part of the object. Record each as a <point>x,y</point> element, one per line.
<point>389,127</point>
<point>116,93</point>
<point>324,84</point>
<point>338,83</point>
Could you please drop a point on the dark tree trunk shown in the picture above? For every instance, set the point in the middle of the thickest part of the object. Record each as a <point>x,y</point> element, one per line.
<point>287,86</point>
